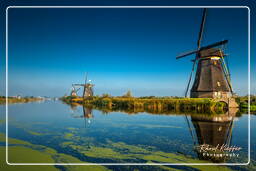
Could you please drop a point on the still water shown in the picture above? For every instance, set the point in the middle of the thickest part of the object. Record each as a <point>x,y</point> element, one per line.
<point>77,134</point>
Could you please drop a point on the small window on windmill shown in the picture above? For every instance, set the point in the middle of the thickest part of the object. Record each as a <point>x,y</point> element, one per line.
<point>218,83</point>
<point>215,94</point>
<point>220,128</point>
<point>219,94</point>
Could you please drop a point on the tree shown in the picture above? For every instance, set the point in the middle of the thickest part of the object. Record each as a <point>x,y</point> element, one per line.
<point>105,95</point>
<point>128,94</point>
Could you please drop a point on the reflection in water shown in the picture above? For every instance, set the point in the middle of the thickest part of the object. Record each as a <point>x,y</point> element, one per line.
<point>212,133</point>
<point>116,137</point>
<point>206,130</point>
<point>87,114</point>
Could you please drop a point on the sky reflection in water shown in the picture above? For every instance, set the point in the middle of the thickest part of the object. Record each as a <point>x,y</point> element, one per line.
<point>93,136</point>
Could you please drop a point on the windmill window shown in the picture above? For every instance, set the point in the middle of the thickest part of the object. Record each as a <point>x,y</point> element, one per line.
<point>218,83</point>
<point>219,94</point>
<point>220,128</point>
<point>215,93</point>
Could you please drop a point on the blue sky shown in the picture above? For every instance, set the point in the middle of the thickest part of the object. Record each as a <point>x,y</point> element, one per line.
<point>122,49</point>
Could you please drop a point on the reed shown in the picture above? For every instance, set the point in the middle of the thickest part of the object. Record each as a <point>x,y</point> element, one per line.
<point>150,105</point>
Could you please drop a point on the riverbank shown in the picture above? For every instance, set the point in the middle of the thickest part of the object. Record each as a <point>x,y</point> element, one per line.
<point>12,100</point>
<point>243,103</point>
<point>150,104</point>
<point>159,104</point>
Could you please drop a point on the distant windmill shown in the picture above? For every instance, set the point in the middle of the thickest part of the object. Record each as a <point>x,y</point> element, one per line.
<point>74,91</point>
<point>212,79</point>
<point>88,88</point>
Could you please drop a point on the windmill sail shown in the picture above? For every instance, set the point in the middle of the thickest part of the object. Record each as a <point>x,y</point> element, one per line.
<point>198,48</point>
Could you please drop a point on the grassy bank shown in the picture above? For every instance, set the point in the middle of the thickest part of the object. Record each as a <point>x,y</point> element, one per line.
<point>18,100</point>
<point>244,103</point>
<point>150,104</point>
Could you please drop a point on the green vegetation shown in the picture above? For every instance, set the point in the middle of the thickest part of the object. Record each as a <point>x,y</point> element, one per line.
<point>34,133</point>
<point>78,149</point>
<point>29,155</point>
<point>128,94</point>
<point>22,151</point>
<point>122,152</point>
<point>160,105</point>
<point>243,103</point>
<point>68,135</point>
<point>25,152</point>
<point>19,99</point>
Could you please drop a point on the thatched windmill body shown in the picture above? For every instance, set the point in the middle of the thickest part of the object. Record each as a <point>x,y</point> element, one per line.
<point>88,88</point>
<point>212,78</point>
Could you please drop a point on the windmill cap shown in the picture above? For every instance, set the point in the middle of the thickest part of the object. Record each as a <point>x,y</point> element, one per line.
<point>211,52</point>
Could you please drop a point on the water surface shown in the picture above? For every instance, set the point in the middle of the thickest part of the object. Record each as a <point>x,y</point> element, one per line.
<point>90,135</point>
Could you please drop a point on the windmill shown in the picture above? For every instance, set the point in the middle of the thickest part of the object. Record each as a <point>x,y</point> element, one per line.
<point>88,88</point>
<point>74,91</point>
<point>212,79</point>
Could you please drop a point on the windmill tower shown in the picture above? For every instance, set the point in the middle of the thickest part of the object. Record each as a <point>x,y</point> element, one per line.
<point>212,79</point>
<point>88,88</point>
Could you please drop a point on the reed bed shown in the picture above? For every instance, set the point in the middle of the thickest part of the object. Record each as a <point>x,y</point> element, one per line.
<point>150,105</point>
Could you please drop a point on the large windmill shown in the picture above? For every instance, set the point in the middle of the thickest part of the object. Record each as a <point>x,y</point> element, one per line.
<point>212,79</point>
<point>88,88</point>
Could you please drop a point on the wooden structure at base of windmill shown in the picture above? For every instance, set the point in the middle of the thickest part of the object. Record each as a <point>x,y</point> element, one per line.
<point>212,79</point>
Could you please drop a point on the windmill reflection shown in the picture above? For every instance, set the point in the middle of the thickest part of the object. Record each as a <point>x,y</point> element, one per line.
<point>73,107</point>
<point>87,114</point>
<point>210,133</point>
